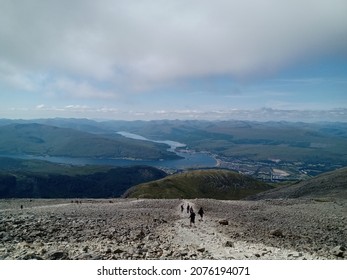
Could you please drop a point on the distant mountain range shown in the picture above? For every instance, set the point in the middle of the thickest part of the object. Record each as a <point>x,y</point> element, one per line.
<point>318,143</point>
<point>43,140</point>
<point>302,149</point>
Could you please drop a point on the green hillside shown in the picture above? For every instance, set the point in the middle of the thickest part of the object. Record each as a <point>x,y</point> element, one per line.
<point>217,184</point>
<point>326,185</point>
<point>38,139</point>
<point>41,179</point>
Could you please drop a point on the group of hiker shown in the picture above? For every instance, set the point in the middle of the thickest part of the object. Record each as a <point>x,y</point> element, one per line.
<point>192,214</point>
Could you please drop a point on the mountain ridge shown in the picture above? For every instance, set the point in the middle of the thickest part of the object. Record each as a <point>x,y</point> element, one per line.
<point>211,183</point>
<point>329,185</point>
<point>41,139</point>
<point>40,179</point>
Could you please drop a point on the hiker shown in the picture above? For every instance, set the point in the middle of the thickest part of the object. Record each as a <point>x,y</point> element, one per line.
<point>182,208</point>
<point>188,208</point>
<point>201,213</point>
<point>191,209</point>
<point>192,218</point>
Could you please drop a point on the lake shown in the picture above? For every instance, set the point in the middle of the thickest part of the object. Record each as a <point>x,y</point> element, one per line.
<point>190,159</point>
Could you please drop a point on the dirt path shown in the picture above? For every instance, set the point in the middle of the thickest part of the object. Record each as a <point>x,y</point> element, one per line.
<point>201,236</point>
<point>206,236</point>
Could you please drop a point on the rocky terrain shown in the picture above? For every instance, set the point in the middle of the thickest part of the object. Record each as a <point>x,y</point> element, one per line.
<point>157,229</point>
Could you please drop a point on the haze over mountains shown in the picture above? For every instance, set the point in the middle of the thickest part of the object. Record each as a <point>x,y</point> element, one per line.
<point>316,143</point>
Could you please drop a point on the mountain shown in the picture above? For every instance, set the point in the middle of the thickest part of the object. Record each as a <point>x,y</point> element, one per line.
<point>308,142</point>
<point>296,146</point>
<point>40,179</point>
<point>40,139</point>
<point>321,143</point>
<point>327,185</point>
<point>213,183</point>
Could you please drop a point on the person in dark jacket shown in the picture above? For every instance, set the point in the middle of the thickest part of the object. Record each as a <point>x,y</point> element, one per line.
<point>201,213</point>
<point>192,218</point>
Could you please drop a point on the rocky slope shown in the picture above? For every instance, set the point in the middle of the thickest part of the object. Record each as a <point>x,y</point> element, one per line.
<point>157,229</point>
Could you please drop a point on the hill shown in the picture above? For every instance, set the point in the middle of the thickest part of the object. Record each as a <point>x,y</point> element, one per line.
<point>327,185</point>
<point>23,179</point>
<point>40,139</point>
<point>217,184</point>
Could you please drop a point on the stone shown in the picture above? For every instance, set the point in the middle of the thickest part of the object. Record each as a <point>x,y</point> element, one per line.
<point>184,253</point>
<point>118,251</point>
<point>201,249</point>
<point>229,244</point>
<point>59,255</point>
<point>277,233</point>
<point>295,255</point>
<point>223,222</point>
<point>339,251</point>
<point>140,234</point>
<point>32,256</point>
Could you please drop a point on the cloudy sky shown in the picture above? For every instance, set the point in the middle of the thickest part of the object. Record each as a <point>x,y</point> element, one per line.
<point>172,59</point>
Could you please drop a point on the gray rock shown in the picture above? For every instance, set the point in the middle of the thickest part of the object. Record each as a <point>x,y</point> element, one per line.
<point>295,255</point>
<point>277,233</point>
<point>32,256</point>
<point>184,253</point>
<point>223,222</point>
<point>6,237</point>
<point>201,249</point>
<point>59,255</point>
<point>118,251</point>
<point>339,251</point>
<point>229,244</point>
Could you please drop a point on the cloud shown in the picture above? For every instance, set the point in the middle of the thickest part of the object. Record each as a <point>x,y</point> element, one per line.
<point>11,77</point>
<point>78,89</point>
<point>136,46</point>
<point>104,112</point>
<point>40,106</point>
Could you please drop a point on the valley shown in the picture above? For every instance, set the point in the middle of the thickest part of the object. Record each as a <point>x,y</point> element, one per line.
<point>74,189</point>
<point>297,151</point>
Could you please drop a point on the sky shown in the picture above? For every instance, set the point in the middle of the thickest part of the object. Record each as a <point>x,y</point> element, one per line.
<point>174,59</point>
